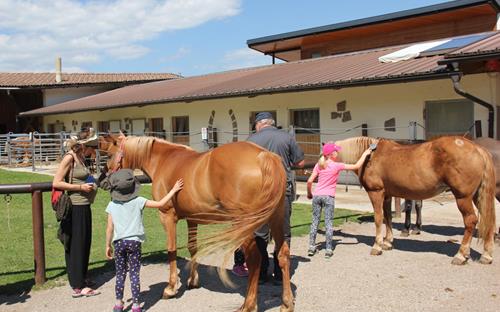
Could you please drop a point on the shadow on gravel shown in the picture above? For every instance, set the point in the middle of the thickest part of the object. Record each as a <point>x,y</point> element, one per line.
<point>19,292</point>
<point>269,295</point>
<point>447,247</point>
<point>446,230</point>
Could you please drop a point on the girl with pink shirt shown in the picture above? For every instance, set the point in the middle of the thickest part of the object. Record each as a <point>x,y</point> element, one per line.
<point>327,171</point>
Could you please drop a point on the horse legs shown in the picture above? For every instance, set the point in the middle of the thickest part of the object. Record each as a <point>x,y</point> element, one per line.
<point>282,249</point>
<point>418,222</point>
<point>253,260</point>
<point>389,237</point>
<point>193,280</point>
<point>169,220</point>
<point>406,231</point>
<point>470,219</point>
<point>377,199</point>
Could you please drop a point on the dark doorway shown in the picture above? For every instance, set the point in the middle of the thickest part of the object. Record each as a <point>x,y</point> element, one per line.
<point>13,102</point>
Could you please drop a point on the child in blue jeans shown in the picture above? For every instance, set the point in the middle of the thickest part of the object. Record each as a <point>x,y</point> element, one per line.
<point>125,226</point>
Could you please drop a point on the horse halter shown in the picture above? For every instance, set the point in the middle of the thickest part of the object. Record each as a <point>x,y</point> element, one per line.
<point>119,156</point>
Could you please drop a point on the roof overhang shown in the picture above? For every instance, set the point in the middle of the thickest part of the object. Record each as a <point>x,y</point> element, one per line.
<point>287,46</point>
<point>298,88</point>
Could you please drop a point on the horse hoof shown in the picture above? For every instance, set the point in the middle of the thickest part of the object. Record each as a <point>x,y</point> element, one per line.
<point>193,283</point>
<point>405,233</point>
<point>386,246</point>
<point>458,261</point>
<point>245,309</point>
<point>285,308</point>
<point>376,252</point>
<point>415,232</point>
<point>485,260</point>
<point>169,293</point>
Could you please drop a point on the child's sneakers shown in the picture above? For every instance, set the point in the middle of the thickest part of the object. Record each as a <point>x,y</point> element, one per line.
<point>328,253</point>
<point>240,270</point>
<point>118,308</point>
<point>136,309</point>
<point>311,251</point>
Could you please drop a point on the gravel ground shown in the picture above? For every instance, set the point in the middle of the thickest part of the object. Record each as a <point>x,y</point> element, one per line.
<point>415,276</point>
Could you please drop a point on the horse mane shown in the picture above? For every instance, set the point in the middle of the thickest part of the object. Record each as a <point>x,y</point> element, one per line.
<point>352,148</point>
<point>138,149</point>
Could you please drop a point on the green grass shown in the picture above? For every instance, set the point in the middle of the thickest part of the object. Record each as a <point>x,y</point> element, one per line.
<point>16,243</point>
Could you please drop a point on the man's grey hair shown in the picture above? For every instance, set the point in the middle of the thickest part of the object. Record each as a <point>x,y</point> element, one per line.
<point>269,122</point>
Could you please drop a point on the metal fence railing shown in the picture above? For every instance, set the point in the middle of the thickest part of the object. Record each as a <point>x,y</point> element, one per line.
<point>40,149</point>
<point>31,149</point>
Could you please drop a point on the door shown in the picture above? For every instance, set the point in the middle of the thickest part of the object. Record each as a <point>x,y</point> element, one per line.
<point>307,134</point>
<point>115,126</point>
<point>138,126</point>
<point>452,117</point>
<point>180,129</point>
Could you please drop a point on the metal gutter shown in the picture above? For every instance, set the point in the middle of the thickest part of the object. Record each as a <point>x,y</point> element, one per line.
<point>469,57</point>
<point>455,78</point>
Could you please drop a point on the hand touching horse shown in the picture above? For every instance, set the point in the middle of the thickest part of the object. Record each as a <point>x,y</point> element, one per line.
<point>238,183</point>
<point>421,171</point>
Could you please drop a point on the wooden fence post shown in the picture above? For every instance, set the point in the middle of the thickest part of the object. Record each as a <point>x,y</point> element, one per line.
<point>38,237</point>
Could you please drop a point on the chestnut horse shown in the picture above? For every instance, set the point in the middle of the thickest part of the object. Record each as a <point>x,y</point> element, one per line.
<point>421,171</point>
<point>239,183</point>
<point>493,146</point>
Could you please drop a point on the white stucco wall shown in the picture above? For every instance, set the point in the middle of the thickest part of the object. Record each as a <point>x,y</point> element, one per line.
<point>55,96</point>
<point>371,105</point>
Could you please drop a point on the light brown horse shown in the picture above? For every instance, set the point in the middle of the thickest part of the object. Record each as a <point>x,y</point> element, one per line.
<point>238,183</point>
<point>421,171</point>
<point>493,146</point>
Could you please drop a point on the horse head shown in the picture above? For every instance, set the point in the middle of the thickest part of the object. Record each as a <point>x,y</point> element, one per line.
<point>113,146</point>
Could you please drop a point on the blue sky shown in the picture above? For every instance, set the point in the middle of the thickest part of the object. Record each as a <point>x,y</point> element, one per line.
<point>187,37</point>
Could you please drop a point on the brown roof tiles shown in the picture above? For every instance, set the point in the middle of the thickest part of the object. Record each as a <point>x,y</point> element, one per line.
<point>34,80</point>
<point>334,71</point>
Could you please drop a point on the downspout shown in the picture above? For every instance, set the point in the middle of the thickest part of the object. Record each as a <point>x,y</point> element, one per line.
<point>455,77</point>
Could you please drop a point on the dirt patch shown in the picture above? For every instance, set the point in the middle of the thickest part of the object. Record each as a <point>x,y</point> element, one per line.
<point>415,276</point>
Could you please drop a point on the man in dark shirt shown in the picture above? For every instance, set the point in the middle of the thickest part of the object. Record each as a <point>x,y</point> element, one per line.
<point>282,143</point>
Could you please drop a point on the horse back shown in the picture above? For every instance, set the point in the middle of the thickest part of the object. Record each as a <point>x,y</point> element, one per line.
<point>214,178</point>
<point>425,169</point>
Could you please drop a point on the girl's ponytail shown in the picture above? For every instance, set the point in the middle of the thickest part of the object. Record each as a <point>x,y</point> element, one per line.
<point>322,162</point>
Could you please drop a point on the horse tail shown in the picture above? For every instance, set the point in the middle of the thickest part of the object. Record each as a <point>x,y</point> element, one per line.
<point>246,218</point>
<point>484,197</point>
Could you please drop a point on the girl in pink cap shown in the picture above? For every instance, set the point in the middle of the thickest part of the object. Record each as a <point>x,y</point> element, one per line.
<point>327,171</point>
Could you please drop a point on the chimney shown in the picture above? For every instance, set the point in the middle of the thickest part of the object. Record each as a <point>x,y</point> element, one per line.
<point>58,69</point>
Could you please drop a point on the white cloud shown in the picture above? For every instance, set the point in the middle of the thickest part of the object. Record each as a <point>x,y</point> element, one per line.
<point>180,53</point>
<point>33,33</point>
<point>84,58</point>
<point>244,58</point>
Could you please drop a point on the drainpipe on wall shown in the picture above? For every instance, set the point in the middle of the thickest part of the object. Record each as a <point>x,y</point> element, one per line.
<point>455,77</point>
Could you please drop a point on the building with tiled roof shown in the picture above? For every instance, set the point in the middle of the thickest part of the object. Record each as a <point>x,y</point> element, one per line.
<point>413,74</point>
<point>20,92</point>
